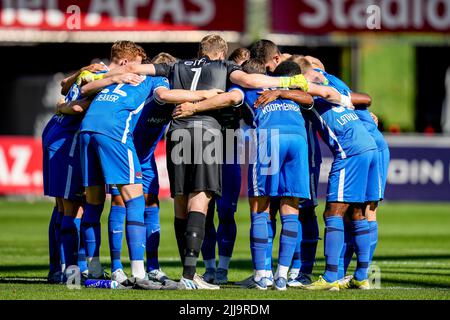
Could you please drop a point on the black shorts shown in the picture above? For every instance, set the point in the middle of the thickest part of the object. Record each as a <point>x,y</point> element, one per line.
<point>194,164</point>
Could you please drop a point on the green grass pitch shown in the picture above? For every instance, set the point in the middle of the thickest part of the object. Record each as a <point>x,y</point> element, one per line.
<point>413,255</point>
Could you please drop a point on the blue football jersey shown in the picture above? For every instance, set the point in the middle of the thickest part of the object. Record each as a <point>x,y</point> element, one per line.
<point>363,114</point>
<point>116,109</point>
<point>341,129</point>
<point>281,114</point>
<point>152,123</point>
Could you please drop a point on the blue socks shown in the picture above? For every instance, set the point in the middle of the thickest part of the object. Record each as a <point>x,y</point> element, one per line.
<point>226,232</point>
<point>373,226</point>
<point>136,233</point>
<point>209,242</point>
<point>70,237</point>
<point>296,259</point>
<point>334,241</point>
<point>90,226</point>
<point>288,239</point>
<point>58,222</point>
<point>151,220</point>
<point>361,234</point>
<point>53,247</point>
<point>347,250</point>
<point>116,223</point>
<point>259,239</point>
<point>82,263</point>
<point>271,229</point>
<point>310,238</point>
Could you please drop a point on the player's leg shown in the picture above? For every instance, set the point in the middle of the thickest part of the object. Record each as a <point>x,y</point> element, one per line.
<point>294,184</point>
<point>259,208</point>
<point>55,271</point>
<point>58,222</point>
<point>271,233</point>
<point>133,197</point>
<point>91,228</point>
<point>153,234</point>
<point>288,239</point>
<point>95,199</point>
<point>116,222</point>
<point>226,209</point>
<point>363,170</point>
<point>371,215</point>
<point>361,239</point>
<point>209,244</point>
<point>70,231</point>
<point>372,209</point>
<point>197,208</point>
<point>180,224</point>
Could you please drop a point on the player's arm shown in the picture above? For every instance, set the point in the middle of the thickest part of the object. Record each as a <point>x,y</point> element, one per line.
<point>223,100</point>
<point>361,100</point>
<point>73,107</point>
<point>177,96</point>
<point>298,96</point>
<point>70,80</point>
<point>256,81</point>
<point>94,87</point>
<point>330,94</point>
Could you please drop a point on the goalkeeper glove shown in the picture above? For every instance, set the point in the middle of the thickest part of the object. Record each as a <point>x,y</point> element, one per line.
<point>87,76</point>
<point>296,82</point>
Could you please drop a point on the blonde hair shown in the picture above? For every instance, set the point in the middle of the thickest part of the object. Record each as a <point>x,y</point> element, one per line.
<point>212,45</point>
<point>304,64</point>
<point>164,57</point>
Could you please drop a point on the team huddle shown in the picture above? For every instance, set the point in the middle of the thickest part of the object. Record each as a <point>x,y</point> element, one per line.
<point>105,131</point>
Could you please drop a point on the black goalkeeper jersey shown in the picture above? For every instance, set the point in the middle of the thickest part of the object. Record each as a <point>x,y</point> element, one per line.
<point>199,74</point>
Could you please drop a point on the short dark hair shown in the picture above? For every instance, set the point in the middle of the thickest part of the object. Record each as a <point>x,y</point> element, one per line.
<point>287,69</point>
<point>264,50</point>
<point>240,55</point>
<point>254,66</point>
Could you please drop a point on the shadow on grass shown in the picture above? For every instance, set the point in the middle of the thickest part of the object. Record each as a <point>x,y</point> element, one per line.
<point>23,280</point>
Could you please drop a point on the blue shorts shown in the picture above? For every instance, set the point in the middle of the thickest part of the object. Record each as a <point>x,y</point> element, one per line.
<point>281,168</point>
<point>314,174</point>
<point>355,179</point>
<point>105,160</point>
<point>62,166</point>
<point>231,188</point>
<point>150,182</point>
<point>384,169</point>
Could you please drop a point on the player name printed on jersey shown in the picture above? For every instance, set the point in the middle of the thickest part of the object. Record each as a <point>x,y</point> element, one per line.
<point>271,107</point>
<point>346,118</point>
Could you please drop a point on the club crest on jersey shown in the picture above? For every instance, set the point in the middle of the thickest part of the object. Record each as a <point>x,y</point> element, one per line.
<point>139,175</point>
<point>338,109</point>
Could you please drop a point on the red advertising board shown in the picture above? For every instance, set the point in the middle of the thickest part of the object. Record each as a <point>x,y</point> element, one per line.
<point>121,15</point>
<point>324,16</point>
<point>21,166</point>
